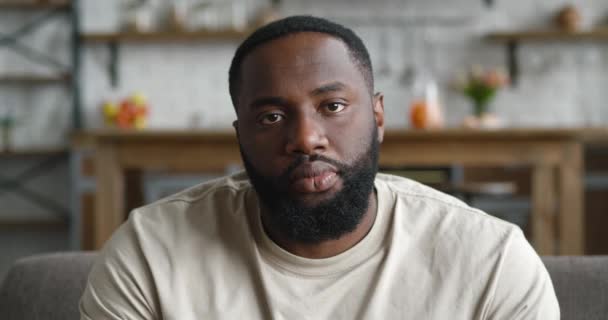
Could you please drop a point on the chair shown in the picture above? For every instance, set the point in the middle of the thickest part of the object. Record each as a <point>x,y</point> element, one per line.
<point>49,286</point>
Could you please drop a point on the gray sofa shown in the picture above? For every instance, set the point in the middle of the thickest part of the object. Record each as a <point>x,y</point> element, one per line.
<point>45,287</point>
<point>49,286</point>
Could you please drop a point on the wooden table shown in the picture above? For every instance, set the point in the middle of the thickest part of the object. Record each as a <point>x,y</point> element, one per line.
<point>555,158</point>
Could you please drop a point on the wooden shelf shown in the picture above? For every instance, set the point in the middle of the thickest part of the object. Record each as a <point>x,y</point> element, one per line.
<point>32,224</point>
<point>32,152</point>
<point>30,79</point>
<point>33,5</point>
<point>150,37</point>
<point>513,39</point>
<point>600,34</point>
<point>113,40</point>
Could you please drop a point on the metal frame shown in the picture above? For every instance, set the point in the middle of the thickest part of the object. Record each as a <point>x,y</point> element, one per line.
<point>12,41</point>
<point>18,184</point>
<point>77,122</point>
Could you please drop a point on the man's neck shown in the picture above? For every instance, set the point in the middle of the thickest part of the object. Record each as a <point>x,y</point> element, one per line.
<point>328,248</point>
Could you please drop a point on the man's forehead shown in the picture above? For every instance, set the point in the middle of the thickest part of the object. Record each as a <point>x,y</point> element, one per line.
<point>298,65</point>
<point>276,70</point>
<point>302,48</point>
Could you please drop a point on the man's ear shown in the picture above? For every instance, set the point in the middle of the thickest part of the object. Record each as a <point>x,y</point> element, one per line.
<point>378,104</point>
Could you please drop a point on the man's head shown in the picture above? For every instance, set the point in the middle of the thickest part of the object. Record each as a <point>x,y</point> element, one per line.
<point>309,125</point>
<point>293,25</point>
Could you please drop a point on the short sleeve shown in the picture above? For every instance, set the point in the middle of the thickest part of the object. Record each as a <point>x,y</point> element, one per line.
<point>120,284</point>
<point>522,288</point>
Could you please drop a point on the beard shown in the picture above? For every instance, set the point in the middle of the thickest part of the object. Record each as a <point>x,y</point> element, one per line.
<point>330,218</point>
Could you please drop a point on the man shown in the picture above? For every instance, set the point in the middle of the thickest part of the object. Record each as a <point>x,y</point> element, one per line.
<point>311,231</point>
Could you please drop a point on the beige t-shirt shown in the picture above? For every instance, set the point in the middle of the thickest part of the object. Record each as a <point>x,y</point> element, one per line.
<point>202,254</point>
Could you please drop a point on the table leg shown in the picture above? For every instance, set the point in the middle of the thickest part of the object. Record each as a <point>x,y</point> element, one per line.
<point>571,206</point>
<point>543,210</point>
<point>109,199</point>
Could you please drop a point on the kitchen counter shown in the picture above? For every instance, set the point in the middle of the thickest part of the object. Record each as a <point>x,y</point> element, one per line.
<point>554,155</point>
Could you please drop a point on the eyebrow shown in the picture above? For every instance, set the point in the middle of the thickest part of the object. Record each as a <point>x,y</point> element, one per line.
<point>331,87</point>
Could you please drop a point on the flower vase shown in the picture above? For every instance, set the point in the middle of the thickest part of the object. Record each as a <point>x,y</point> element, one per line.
<point>481,118</point>
<point>480,87</point>
<point>479,109</point>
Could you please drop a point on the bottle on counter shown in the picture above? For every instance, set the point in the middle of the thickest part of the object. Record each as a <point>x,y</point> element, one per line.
<point>425,108</point>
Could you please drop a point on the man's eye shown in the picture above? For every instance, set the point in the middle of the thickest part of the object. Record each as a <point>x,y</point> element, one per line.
<point>335,107</point>
<point>271,118</point>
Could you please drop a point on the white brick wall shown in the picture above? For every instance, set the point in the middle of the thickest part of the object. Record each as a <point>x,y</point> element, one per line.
<point>556,80</point>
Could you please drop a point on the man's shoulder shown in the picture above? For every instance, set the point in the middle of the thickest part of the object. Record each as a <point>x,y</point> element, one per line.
<point>160,246</point>
<point>220,188</point>
<point>225,185</point>
<point>222,197</point>
<point>406,188</point>
<point>442,215</point>
<point>448,237</point>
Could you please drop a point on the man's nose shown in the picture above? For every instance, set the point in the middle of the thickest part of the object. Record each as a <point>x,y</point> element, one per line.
<point>306,136</point>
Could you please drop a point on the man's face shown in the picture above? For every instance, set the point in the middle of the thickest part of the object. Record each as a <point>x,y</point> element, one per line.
<point>309,131</point>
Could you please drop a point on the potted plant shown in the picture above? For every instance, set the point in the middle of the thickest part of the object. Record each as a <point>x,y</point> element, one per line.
<point>480,86</point>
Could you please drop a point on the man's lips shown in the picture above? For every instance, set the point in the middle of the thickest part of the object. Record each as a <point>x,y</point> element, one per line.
<point>313,177</point>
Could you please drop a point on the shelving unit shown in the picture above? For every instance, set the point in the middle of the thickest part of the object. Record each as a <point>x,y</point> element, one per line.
<point>113,41</point>
<point>17,184</point>
<point>32,80</point>
<point>153,37</point>
<point>30,224</point>
<point>549,35</point>
<point>21,5</point>
<point>34,152</point>
<point>512,41</point>
<point>66,76</point>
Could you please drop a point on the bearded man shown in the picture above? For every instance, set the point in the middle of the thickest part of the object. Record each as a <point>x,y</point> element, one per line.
<point>311,230</point>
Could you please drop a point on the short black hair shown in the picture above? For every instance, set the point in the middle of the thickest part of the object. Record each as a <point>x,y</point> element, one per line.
<point>296,24</point>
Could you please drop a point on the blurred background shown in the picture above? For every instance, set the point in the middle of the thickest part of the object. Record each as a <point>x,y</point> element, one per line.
<point>519,76</point>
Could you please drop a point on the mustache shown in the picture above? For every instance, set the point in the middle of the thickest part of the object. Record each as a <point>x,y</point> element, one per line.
<point>341,167</point>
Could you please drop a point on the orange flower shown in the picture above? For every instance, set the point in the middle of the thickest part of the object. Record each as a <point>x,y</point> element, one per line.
<point>495,79</point>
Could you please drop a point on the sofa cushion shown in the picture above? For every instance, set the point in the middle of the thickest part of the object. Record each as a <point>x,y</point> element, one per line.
<point>581,285</point>
<point>45,287</point>
<point>49,286</point>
